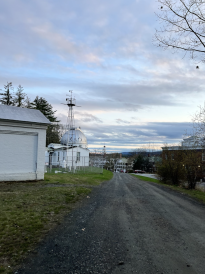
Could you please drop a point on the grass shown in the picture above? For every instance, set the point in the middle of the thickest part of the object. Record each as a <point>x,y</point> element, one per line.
<point>143,178</point>
<point>85,179</point>
<point>194,193</point>
<point>29,210</point>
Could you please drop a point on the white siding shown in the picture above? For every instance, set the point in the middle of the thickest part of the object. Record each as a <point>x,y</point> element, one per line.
<point>22,151</point>
<point>19,152</point>
<point>83,160</point>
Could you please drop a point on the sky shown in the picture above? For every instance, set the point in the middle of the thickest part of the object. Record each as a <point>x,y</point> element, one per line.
<point>132,93</point>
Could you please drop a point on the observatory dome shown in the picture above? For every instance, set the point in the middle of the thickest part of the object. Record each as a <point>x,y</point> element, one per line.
<point>74,137</point>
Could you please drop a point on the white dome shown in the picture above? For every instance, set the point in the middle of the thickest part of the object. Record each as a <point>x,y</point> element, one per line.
<point>74,137</point>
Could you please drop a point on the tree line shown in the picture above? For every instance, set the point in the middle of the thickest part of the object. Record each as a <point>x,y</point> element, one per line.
<point>21,99</point>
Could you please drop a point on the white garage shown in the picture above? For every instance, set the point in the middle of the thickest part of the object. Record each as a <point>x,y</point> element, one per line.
<point>22,143</point>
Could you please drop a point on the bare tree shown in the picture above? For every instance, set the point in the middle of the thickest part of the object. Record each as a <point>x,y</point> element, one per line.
<point>27,102</point>
<point>199,127</point>
<point>183,27</point>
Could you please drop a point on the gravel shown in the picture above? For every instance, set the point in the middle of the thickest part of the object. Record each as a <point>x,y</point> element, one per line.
<point>126,226</point>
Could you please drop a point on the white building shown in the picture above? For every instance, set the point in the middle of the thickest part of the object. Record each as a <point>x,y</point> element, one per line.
<point>98,159</point>
<point>123,164</point>
<point>72,152</point>
<point>192,143</point>
<point>22,143</point>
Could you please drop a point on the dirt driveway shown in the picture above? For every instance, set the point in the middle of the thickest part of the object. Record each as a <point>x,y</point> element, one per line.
<point>126,226</point>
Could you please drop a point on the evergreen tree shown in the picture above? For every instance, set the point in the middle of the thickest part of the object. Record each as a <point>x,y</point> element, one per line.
<point>20,96</point>
<point>7,97</point>
<point>41,104</point>
<point>139,161</point>
<point>53,132</point>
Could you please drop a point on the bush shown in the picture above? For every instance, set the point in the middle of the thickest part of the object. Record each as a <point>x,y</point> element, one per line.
<point>170,173</point>
<point>163,173</point>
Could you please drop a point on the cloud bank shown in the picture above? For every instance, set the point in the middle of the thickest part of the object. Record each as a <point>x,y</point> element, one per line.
<point>130,92</point>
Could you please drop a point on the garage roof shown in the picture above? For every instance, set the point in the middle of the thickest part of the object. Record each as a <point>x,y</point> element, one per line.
<point>22,114</point>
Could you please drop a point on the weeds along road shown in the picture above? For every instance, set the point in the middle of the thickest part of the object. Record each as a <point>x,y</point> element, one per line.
<point>127,226</point>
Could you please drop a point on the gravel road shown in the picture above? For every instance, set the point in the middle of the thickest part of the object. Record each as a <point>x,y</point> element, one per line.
<point>126,226</point>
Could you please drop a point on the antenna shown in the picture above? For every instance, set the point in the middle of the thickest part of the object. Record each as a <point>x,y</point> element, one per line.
<point>71,102</point>
<point>73,137</point>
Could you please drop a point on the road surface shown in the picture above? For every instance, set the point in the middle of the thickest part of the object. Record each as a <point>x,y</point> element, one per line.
<point>127,226</point>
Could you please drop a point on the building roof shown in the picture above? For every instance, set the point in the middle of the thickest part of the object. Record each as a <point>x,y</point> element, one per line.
<point>74,137</point>
<point>22,115</point>
<point>123,160</point>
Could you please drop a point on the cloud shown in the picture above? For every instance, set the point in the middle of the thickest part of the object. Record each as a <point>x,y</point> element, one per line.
<point>110,62</point>
<point>87,117</point>
<point>138,135</point>
<point>120,121</point>
<point>64,46</point>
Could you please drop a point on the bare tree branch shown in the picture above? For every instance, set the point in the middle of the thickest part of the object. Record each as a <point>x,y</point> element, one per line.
<point>182,27</point>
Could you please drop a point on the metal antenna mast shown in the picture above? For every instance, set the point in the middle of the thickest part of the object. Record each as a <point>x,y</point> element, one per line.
<point>71,102</point>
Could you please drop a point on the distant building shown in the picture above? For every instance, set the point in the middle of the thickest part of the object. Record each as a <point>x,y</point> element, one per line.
<point>123,164</point>
<point>104,160</point>
<point>190,143</point>
<point>72,152</point>
<point>22,143</point>
<point>97,159</point>
<point>192,148</point>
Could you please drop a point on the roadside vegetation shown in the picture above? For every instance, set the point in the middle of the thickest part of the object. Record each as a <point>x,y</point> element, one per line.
<point>28,210</point>
<point>197,194</point>
<point>143,178</point>
<point>80,177</point>
<point>181,166</point>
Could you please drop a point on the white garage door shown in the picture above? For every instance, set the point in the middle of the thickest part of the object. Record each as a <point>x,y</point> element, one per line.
<point>18,151</point>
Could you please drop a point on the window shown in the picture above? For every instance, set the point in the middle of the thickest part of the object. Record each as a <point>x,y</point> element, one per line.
<point>203,157</point>
<point>58,156</point>
<point>78,156</point>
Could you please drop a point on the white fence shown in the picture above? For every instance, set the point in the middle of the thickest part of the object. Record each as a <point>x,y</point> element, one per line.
<point>73,165</point>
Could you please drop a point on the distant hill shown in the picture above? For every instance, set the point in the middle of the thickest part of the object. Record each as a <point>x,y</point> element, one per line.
<point>131,153</point>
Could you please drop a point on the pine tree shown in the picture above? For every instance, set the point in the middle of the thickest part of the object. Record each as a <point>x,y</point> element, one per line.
<point>41,104</point>
<point>7,97</point>
<point>52,132</point>
<point>20,96</point>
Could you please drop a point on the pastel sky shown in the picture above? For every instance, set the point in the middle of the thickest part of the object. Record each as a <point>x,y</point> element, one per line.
<point>131,93</point>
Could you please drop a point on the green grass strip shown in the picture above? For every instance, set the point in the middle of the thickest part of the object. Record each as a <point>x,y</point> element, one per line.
<point>78,179</point>
<point>194,193</point>
<point>148,179</point>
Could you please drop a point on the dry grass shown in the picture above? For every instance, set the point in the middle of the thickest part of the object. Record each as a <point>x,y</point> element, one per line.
<point>29,210</point>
